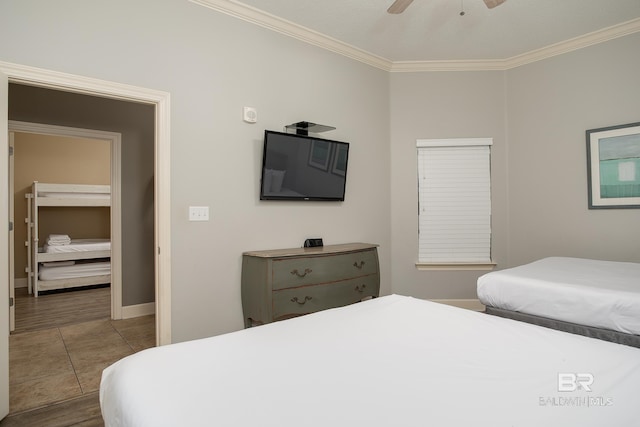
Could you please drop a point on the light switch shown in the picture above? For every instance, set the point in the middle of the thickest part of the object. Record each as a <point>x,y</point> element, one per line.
<point>198,213</point>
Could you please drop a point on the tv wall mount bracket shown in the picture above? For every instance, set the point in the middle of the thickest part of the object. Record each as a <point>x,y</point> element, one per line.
<point>303,128</point>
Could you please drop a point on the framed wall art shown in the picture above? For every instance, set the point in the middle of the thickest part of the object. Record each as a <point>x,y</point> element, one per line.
<point>613,167</point>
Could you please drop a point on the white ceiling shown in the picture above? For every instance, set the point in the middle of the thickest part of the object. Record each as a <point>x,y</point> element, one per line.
<point>433,30</point>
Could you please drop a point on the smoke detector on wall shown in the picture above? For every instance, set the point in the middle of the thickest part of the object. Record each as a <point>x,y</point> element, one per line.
<point>250,115</point>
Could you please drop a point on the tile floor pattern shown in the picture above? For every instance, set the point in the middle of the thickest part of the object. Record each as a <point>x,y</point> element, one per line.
<point>57,364</point>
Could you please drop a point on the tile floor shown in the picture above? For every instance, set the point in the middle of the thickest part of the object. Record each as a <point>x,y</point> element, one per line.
<point>60,363</point>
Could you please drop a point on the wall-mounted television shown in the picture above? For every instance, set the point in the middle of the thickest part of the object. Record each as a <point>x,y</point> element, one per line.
<point>302,167</point>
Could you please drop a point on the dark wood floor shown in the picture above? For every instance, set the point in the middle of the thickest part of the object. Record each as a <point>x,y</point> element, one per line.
<point>62,310</point>
<point>55,309</point>
<point>82,411</point>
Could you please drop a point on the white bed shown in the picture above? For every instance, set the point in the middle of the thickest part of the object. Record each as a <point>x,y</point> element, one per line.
<point>599,294</point>
<point>390,361</point>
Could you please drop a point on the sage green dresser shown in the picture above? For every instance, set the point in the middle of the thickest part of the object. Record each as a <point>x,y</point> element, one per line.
<point>283,283</point>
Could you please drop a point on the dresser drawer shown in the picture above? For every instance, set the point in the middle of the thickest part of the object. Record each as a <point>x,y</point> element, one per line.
<point>308,299</point>
<point>282,283</point>
<point>300,271</point>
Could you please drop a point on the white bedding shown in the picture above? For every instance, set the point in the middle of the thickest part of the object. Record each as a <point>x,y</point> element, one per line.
<point>79,245</point>
<point>62,271</point>
<point>602,294</point>
<point>72,195</point>
<point>390,361</point>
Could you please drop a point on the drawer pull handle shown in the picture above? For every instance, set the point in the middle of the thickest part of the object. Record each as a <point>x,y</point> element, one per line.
<point>297,273</point>
<point>358,265</point>
<point>361,288</point>
<point>303,302</point>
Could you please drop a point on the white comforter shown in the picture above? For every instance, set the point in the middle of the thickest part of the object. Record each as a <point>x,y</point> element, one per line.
<point>391,361</point>
<point>602,294</point>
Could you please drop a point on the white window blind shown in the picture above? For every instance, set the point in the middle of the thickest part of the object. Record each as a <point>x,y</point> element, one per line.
<point>454,200</point>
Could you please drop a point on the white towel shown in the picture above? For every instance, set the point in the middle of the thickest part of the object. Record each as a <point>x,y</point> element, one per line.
<point>58,239</point>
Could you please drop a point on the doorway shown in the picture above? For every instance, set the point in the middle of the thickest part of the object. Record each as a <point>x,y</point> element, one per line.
<point>15,73</point>
<point>66,157</point>
<point>58,154</point>
<point>68,108</point>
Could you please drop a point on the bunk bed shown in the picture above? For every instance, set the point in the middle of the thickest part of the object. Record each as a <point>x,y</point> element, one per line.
<point>59,262</point>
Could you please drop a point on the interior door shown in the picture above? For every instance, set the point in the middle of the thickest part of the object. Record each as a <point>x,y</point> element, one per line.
<point>4,250</point>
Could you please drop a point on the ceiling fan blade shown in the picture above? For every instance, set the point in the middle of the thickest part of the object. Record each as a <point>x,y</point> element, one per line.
<point>493,3</point>
<point>399,6</point>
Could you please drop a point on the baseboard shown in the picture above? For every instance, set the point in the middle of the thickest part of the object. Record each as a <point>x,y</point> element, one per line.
<point>20,283</point>
<point>138,310</point>
<point>469,304</point>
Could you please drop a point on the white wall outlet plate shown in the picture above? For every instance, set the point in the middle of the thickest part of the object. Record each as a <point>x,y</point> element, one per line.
<point>250,115</point>
<point>198,213</point>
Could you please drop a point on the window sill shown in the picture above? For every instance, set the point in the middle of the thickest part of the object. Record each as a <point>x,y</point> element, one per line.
<point>452,266</point>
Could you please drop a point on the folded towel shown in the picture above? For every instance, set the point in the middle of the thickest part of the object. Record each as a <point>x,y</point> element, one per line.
<point>58,239</point>
<point>58,242</point>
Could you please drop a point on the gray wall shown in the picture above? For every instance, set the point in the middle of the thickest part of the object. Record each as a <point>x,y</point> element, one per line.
<point>442,105</point>
<point>551,105</point>
<point>537,114</point>
<point>213,65</point>
<point>136,124</point>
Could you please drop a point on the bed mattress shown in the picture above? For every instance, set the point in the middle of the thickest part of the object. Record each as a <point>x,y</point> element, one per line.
<point>54,271</point>
<point>390,361</point>
<point>74,195</point>
<point>79,245</point>
<point>601,294</point>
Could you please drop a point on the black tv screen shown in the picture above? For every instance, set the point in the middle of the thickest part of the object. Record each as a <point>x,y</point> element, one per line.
<point>301,167</point>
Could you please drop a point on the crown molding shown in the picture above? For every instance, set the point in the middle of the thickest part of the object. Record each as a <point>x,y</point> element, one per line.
<point>288,28</point>
<point>452,65</point>
<point>589,39</point>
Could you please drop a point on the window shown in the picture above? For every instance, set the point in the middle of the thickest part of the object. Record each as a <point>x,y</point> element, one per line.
<point>454,200</point>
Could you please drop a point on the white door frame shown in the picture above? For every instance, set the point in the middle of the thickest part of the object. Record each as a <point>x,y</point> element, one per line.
<point>114,139</point>
<point>12,273</point>
<point>162,229</point>
<point>4,249</point>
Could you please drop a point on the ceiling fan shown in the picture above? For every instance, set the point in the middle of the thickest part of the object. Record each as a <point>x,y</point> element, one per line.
<point>399,6</point>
